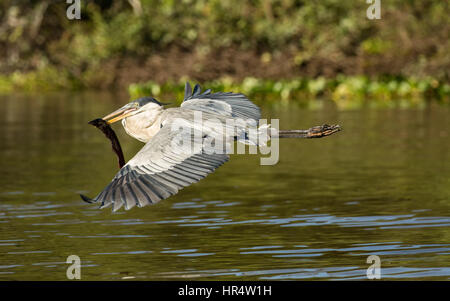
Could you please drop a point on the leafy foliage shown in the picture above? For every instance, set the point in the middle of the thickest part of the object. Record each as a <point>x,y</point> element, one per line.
<point>319,38</point>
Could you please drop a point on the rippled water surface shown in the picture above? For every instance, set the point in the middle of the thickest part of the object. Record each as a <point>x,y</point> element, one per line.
<point>380,187</point>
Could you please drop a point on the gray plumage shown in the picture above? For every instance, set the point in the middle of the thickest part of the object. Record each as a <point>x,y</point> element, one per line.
<point>159,170</point>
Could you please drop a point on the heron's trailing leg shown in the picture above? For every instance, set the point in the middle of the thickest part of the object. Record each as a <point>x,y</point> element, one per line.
<point>314,132</point>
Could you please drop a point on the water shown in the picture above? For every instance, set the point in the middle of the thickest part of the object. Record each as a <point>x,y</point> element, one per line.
<point>380,187</point>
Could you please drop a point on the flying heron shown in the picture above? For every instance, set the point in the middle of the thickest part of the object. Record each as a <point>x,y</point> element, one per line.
<point>159,170</point>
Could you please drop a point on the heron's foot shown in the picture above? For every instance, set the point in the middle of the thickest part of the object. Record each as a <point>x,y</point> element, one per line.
<point>323,130</point>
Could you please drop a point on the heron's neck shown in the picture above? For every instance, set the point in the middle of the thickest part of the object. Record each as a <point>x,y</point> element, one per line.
<point>145,125</point>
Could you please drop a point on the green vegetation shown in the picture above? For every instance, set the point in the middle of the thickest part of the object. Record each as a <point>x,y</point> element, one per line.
<point>347,92</point>
<point>45,79</point>
<point>281,47</point>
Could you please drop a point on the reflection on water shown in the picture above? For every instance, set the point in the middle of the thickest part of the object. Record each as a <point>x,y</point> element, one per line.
<point>380,187</point>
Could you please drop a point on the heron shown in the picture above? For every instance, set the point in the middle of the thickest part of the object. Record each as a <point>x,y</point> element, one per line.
<point>159,170</point>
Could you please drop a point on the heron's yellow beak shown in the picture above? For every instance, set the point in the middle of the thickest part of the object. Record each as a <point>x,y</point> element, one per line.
<point>119,114</point>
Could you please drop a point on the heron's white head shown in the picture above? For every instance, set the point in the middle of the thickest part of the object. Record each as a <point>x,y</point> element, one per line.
<point>138,117</point>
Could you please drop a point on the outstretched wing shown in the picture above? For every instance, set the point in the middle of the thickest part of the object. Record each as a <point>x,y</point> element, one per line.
<point>160,169</point>
<point>235,105</point>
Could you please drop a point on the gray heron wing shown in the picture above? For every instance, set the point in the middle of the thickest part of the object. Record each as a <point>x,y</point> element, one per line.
<point>235,105</point>
<point>160,169</point>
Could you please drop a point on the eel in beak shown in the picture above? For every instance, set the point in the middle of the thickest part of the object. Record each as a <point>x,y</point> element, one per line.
<point>104,126</point>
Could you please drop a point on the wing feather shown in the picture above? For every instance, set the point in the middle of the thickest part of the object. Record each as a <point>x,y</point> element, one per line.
<point>157,172</point>
<point>235,105</point>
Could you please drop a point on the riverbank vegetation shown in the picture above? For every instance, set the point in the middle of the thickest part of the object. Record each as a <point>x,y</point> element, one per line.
<point>346,91</point>
<point>287,48</point>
